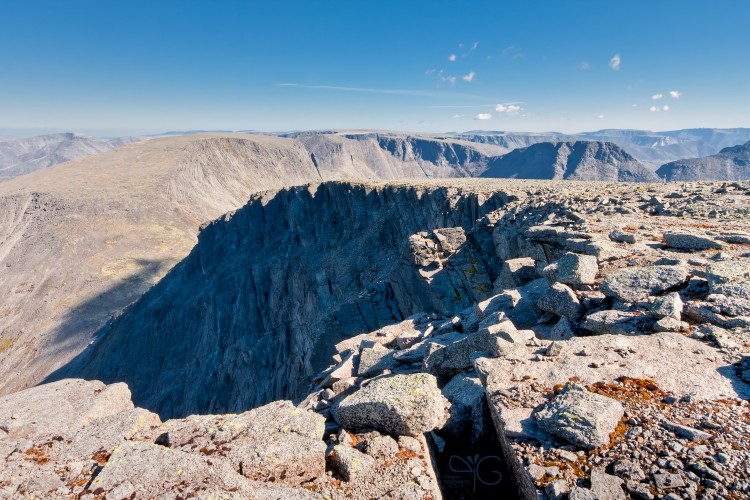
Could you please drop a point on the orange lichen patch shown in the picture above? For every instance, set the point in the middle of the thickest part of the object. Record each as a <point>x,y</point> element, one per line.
<point>629,390</point>
<point>101,457</point>
<point>407,454</point>
<point>353,437</point>
<point>36,455</point>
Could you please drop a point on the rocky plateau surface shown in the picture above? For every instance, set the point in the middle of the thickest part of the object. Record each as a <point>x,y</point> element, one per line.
<point>597,331</point>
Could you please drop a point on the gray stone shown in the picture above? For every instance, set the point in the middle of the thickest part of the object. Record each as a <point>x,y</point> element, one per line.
<point>374,359</point>
<point>456,357</point>
<point>398,405</point>
<point>581,417</point>
<point>730,278</point>
<point>575,269</point>
<point>691,242</point>
<point>606,486</point>
<point>686,432</point>
<point>561,300</point>
<point>622,237</point>
<point>149,471</point>
<point>517,272</point>
<point>612,322</point>
<point>671,325</point>
<point>466,395</point>
<point>667,306</point>
<point>665,481</point>
<point>350,463</point>
<point>557,490</point>
<point>637,283</point>
<point>379,446</point>
<point>409,443</point>
<point>562,330</point>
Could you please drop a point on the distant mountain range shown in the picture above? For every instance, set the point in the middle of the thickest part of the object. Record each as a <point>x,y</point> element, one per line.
<point>579,160</point>
<point>20,156</point>
<point>730,164</point>
<point>451,154</point>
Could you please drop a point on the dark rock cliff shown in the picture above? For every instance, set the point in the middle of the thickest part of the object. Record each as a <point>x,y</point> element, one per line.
<point>730,164</point>
<point>256,307</point>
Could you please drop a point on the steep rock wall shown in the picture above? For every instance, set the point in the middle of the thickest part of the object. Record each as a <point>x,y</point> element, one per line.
<point>253,311</point>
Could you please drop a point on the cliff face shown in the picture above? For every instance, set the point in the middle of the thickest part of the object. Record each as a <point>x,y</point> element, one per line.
<point>730,164</point>
<point>579,160</point>
<point>82,240</point>
<point>257,306</point>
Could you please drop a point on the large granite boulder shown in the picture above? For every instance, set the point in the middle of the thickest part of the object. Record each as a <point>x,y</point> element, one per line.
<point>399,405</point>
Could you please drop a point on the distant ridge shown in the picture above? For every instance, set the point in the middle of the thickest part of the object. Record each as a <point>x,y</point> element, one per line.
<point>578,160</point>
<point>730,164</point>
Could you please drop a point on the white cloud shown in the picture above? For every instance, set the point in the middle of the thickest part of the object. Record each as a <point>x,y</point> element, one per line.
<point>614,63</point>
<point>675,94</point>
<point>665,108</point>
<point>508,109</point>
<point>452,58</point>
<point>600,116</point>
<point>430,72</point>
<point>653,109</point>
<point>483,116</point>
<point>474,45</point>
<point>656,97</point>
<point>469,76</point>
<point>451,79</point>
<point>584,65</point>
<point>457,116</point>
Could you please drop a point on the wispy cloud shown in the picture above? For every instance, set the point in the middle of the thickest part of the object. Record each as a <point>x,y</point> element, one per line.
<point>614,63</point>
<point>483,116</point>
<point>584,65</point>
<point>656,97</point>
<point>452,58</point>
<point>508,109</point>
<point>513,52</point>
<point>600,117</point>
<point>474,45</point>
<point>675,94</point>
<point>368,90</point>
<point>457,116</point>
<point>469,76</point>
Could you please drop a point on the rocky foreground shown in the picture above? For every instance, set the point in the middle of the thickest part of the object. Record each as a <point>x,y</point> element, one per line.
<point>606,357</point>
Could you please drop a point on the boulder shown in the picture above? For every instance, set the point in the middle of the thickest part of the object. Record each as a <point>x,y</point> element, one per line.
<point>613,322</point>
<point>399,405</point>
<point>561,300</point>
<point>637,283</point>
<point>351,463</point>
<point>517,272</point>
<point>691,242</point>
<point>581,417</point>
<point>575,269</point>
<point>730,278</point>
<point>374,359</point>
<point>667,306</point>
<point>622,237</point>
<point>445,361</point>
<point>466,396</point>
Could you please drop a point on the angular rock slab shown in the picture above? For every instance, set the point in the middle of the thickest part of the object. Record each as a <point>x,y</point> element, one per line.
<point>146,470</point>
<point>677,364</point>
<point>60,408</point>
<point>276,442</point>
<point>580,417</point>
<point>730,278</point>
<point>400,405</point>
<point>637,283</point>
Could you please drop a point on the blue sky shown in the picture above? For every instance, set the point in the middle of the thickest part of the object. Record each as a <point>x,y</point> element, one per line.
<point>111,67</point>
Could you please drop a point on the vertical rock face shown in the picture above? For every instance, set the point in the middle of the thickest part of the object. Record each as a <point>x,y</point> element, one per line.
<point>255,309</point>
